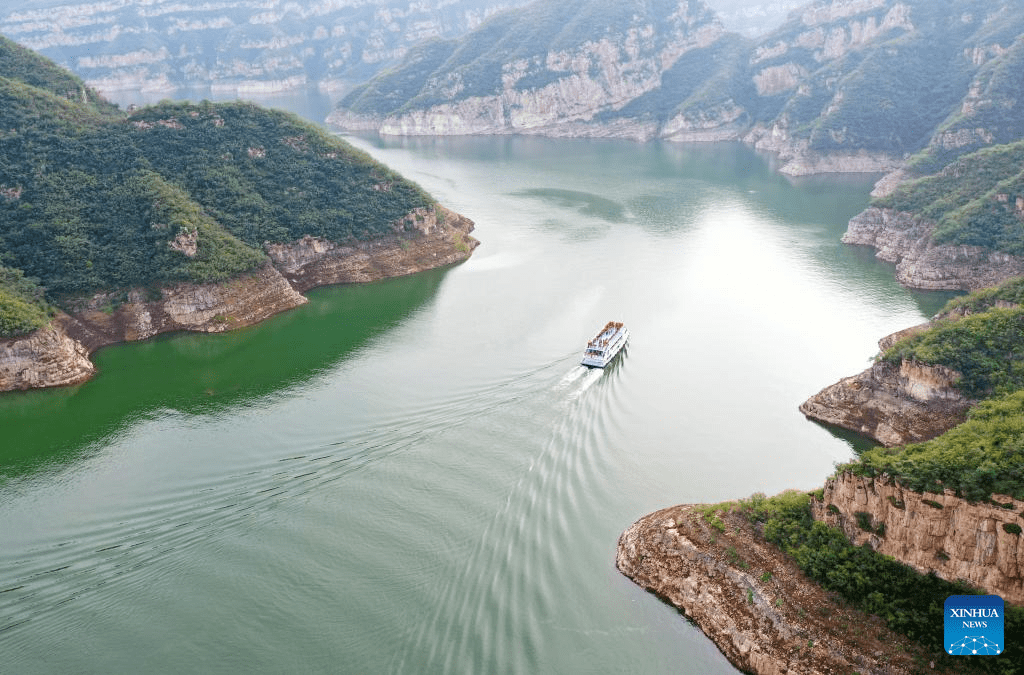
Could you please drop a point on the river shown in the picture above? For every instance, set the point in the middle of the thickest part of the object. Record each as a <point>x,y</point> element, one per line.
<point>415,476</point>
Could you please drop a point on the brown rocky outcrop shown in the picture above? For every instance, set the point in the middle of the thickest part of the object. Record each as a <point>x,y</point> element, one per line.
<point>892,403</point>
<point>752,600</point>
<point>207,308</point>
<point>57,354</point>
<point>47,357</point>
<point>424,239</point>
<point>906,240</point>
<point>939,533</point>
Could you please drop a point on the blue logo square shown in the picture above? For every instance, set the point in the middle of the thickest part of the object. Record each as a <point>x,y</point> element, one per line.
<point>974,625</point>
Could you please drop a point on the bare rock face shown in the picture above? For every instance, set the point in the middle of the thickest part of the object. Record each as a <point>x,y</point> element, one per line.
<point>752,600</point>
<point>939,533</point>
<point>44,358</point>
<point>208,308</point>
<point>893,404</point>
<point>906,240</point>
<point>425,239</point>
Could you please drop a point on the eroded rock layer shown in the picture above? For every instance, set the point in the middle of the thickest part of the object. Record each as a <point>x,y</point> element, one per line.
<point>939,533</point>
<point>750,599</point>
<point>907,241</point>
<point>47,357</point>
<point>892,403</point>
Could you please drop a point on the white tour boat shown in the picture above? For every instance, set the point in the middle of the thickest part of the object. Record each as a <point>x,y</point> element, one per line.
<point>609,342</point>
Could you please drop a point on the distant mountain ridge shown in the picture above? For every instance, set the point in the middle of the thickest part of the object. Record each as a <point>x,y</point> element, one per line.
<point>253,47</point>
<point>244,46</point>
<point>844,85</point>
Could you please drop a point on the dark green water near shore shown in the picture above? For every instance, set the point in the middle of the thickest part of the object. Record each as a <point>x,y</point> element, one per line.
<point>415,476</point>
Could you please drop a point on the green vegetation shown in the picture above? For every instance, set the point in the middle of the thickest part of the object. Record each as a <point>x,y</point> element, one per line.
<point>94,199</point>
<point>910,603</point>
<point>985,454</point>
<point>444,71</point>
<point>982,456</point>
<point>1009,293</point>
<point>22,307</point>
<point>23,65</point>
<point>985,348</point>
<point>973,200</point>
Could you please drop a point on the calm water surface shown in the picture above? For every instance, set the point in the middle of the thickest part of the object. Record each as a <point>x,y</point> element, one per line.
<point>415,476</point>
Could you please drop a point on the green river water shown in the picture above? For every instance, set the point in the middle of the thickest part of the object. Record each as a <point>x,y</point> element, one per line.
<point>415,476</point>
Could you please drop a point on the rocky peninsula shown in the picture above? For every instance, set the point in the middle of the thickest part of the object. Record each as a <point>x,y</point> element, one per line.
<point>893,404</point>
<point>57,354</point>
<point>752,600</point>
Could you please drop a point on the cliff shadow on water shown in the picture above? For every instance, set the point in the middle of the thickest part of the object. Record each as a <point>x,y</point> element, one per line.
<point>203,374</point>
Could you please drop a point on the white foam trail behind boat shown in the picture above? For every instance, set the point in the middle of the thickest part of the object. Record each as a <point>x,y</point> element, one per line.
<point>589,379</point>
<point>573,375</point>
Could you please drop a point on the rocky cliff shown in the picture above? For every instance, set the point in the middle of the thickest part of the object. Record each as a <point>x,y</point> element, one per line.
<point>57,355</point>
<point>842,86</point>
<point>941,533</point>
<point>244,47</point>
<point>47,357</point>
<point>552,68</point>
<point>424,239</point>
<point>751,600</point>
<point>892,403</point>
<point>907,240</point>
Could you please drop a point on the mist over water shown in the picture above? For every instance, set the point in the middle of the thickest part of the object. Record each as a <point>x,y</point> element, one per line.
<point>416,476</point>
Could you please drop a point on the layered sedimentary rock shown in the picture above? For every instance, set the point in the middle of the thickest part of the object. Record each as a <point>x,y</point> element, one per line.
<point>892,403</point>
<point>44,358</point>
<point>939,533</point>
<point>243,47</point>
<point>58,354</point>
<point>427,238</point>
<point>907,240</point>
<point>208,308</point>
<point>751,600</point>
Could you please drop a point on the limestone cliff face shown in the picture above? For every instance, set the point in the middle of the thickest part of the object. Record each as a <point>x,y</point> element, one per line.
<point>938,533</point>
<point>893,404</point>
<point>206,308</point>
<point>58,354</point>
<point>906,240</point>
<point>47,357</point>
<point>425,239</point>
<point>598,74</point>
<point>262,46</point>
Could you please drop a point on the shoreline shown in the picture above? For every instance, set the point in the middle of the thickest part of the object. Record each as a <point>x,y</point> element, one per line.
<point>751,599</point>
<point>58,354</point>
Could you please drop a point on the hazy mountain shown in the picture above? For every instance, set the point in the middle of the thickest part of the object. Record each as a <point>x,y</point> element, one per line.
<point>254,46</point>
<point>843,85</point>
<point>259,46</point>
<point>553,67</point>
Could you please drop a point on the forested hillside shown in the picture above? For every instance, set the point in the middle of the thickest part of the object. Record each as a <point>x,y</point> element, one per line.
<point>92,198</point>
<point>978,199</point>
